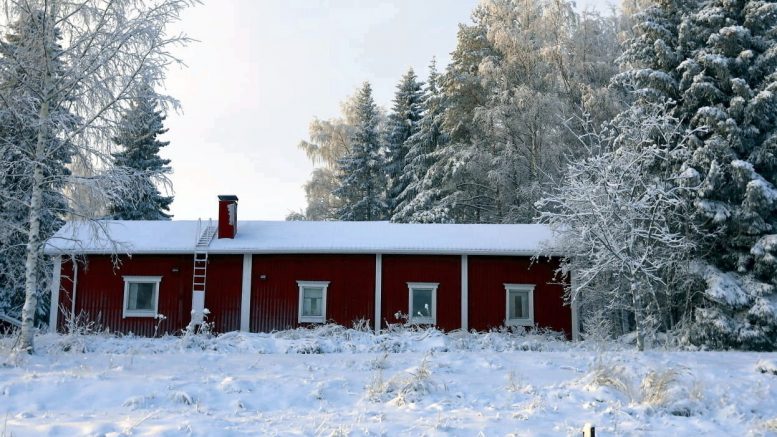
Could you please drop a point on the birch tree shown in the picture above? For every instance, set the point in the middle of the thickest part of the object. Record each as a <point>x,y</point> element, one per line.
<point>72,74</point>
<point>330,140</point>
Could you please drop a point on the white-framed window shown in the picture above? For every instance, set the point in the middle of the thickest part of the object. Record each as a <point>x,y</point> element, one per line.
<point>141,296</point>
<point>422,302</point>
<point>312,301</point>
<point>520,304</point>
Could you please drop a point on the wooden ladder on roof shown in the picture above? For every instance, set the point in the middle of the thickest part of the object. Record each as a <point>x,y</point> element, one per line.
<point>200,271</point>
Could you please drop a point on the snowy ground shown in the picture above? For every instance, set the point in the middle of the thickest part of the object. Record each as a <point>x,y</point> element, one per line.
<point>344,382</point>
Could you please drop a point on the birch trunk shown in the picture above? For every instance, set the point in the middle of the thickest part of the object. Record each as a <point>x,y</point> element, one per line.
<point>33,238</point>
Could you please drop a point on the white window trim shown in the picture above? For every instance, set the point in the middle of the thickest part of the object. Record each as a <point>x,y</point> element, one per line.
<point>414,319</point>
<point>309,319</point>
<point>523,321</point>
<point>141,313</point>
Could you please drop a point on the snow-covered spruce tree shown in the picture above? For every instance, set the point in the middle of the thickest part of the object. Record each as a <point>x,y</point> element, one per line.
<point>729,95</point>
<point>138,131</point>
<point>414,203</point>
<point>17,145</point>
<point>71,95</point>
<point>455,191</point>
<point>362,179</point>
<point>622,223</point>
<point>653,53</point>
<point>402,123</point>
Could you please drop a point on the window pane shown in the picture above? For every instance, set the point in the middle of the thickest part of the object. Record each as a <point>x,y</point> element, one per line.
<point>141,296</point>
<point>519,305</point>
<point>422,302</point>
<point>313,302</point>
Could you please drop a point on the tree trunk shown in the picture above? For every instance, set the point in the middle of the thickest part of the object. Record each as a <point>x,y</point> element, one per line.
<point>33,237</point>
<point>638,328</point>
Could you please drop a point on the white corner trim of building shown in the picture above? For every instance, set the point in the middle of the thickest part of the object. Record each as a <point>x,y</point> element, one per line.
<point>56,276</point>
<point>378,289</point>
<point>464,293</point>
<point>245,296</point>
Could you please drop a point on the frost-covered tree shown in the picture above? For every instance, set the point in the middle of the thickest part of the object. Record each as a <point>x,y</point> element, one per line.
<point>17,145</point>
<point>653,53</point>
<point>623,225</point>
<point>402,123</point>
<point>322,204</point>
<point>71,77</point>
<point>716,58</point>
<point>518,73</point>
<point>456,192</point>
<point>362,179</point>
<point>729,96</point>
<point>330,140</point>
<point>414,203</point>
<point>138,134</point>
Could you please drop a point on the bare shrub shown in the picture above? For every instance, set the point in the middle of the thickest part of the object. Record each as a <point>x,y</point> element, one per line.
<point>607,374</point>
<point>656,386</point>
<point>402,389</point>
<point>411,389</point>
<point>770,425</point>
<point>598,329</point>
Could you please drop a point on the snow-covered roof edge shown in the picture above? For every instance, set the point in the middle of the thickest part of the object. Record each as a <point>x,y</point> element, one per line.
<point>267,237</point>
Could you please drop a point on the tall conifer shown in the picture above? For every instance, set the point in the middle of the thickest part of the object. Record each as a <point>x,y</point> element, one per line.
<point>402,124</point>
<point>141,126</point>
<point>362,181</point>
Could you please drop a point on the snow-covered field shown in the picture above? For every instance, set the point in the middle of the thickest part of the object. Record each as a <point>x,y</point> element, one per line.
<point>333,381</point>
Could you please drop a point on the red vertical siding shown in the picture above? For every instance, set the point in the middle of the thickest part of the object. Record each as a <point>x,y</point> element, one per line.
<point>223,291</point>
<point>100,292</point>
<point>65,292</point>
<point>398,270</point>
<point>274,299</point>
<point>487,276</point>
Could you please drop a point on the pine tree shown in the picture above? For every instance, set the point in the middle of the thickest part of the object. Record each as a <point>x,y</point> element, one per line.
<point>403,122</point>
<point>137,137</point>
<point>729,95</point>
<point>413,203</point>
<point>362,178</point>
<point>21,70</point>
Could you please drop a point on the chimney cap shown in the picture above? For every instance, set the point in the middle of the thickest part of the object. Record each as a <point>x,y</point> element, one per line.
<point>228,197</point>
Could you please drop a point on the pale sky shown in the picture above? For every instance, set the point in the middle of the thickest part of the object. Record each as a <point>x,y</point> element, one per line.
<point>263,69</point>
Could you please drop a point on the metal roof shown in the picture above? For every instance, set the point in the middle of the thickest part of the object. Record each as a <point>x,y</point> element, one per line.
<point>179,236</point>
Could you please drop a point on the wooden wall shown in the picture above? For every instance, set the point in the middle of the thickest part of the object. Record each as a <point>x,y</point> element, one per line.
<point>275,298</point>
<point>275,294</point>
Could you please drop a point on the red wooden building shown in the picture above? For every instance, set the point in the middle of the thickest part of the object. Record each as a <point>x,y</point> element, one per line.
<point>261,276</point>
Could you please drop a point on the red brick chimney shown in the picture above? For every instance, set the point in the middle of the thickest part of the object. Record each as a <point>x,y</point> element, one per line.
<point>227,215</point>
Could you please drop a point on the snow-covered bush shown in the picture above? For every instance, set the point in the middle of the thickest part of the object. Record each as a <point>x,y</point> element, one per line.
<point>667,389</point>
<point>78,328</point>
<point>403,388</point>
<point>604,373</point>
<point>623,225</point>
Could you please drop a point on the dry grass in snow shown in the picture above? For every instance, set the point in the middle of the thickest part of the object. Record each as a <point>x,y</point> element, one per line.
<point>333,381</point>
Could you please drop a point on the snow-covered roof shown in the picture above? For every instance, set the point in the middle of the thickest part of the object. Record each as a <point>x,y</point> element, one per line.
<point>179,236</point>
